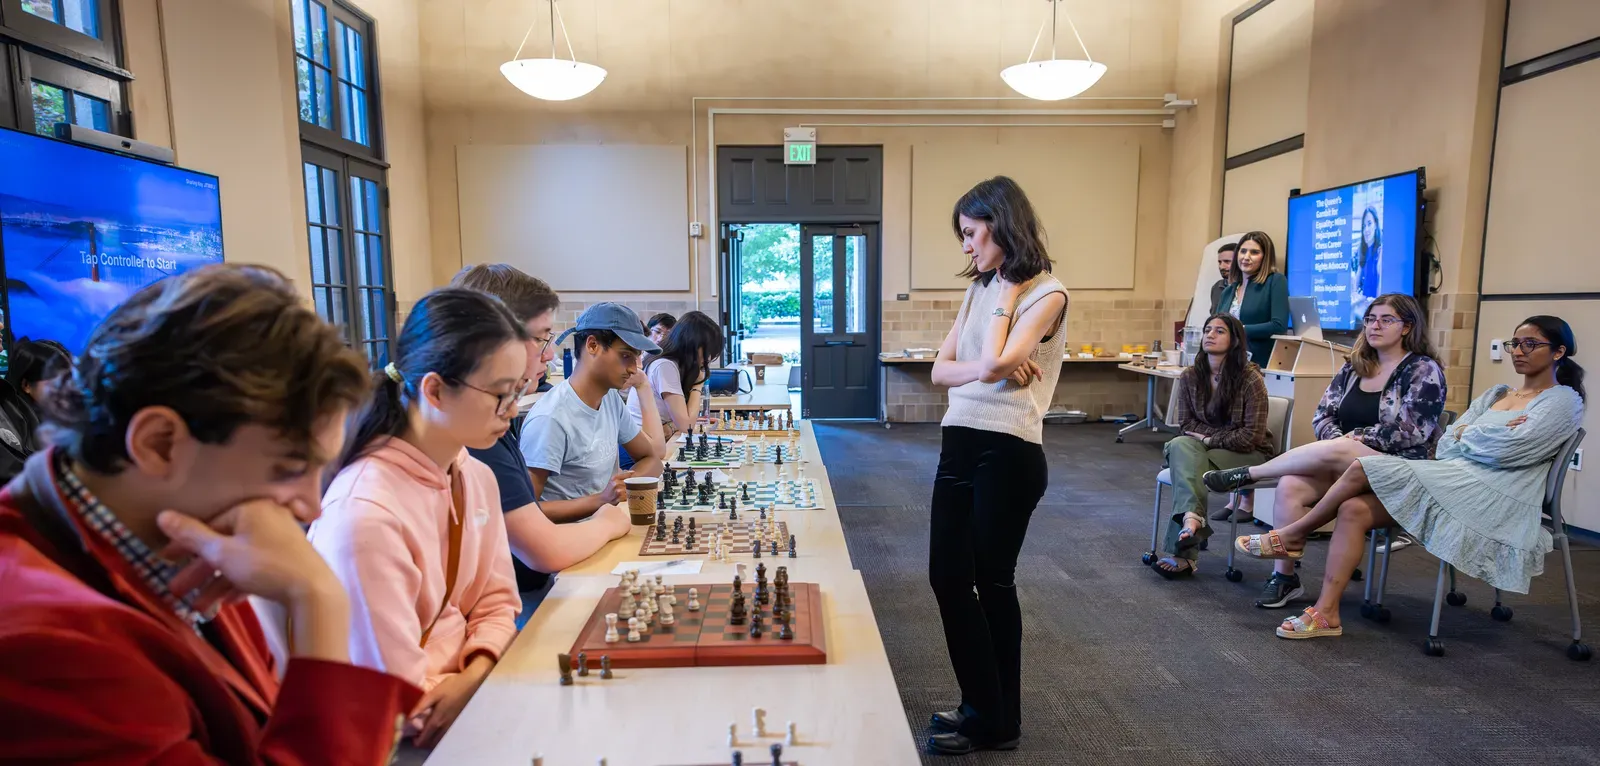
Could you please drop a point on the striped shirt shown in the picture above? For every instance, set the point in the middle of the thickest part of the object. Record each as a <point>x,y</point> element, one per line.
<point>155,573</point>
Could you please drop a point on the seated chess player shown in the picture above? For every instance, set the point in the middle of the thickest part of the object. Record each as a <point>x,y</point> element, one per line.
<point>1477,507</point>
<point>676,373</point>
<point>1386,400</point>
<point>412,523</point>
<point>188,449</point>
<point>570,437</point>
<point>538,545</point>
<point>1222,409</point>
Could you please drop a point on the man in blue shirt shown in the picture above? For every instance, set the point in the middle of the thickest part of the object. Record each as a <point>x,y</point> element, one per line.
<point>570,437</point>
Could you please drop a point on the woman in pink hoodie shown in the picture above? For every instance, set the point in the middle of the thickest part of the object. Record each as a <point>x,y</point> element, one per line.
<point>412,524</point>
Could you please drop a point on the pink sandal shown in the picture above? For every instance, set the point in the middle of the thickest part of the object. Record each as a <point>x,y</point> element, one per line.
<point>1310,624</point>
<point>1267,546</point>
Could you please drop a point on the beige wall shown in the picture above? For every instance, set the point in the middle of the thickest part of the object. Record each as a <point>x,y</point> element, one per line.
<point>215,82</point>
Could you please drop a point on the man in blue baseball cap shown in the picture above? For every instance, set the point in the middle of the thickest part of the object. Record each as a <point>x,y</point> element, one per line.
<point>570,437</point>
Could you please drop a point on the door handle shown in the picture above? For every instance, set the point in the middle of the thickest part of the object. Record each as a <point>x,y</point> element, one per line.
<point>839,343</point>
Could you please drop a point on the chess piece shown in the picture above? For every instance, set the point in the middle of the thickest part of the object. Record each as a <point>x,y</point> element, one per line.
<point>675,540</point>
<point>792,553</point>
<point>583,664</point>
<point>786,631</point>
<point>744,491</point>
<point>738,758</point>
<point>611,628</point>
<point>777,755</point>
<point>736,612</point>
<point>666,611</point>
<point>694,599</point>
<point>565,663</point>
<point>761,572</point>
<point>738,580</point>
<point>733,735</point>
<point>758,722</point>
<point>605,667</point>
<point>538,759</point>
<point>755,624</point>
<point>739,570</point>
<point>763,513</point>
<point>788,739</point>
<point>633,630</point>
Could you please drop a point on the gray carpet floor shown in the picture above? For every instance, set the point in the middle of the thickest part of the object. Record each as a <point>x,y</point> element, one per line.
<point>1122,667</point>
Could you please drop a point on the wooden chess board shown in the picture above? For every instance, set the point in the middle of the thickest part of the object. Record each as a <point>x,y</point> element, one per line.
<point>703,534</point>
<point>704,638</point>
<point>773,495</point>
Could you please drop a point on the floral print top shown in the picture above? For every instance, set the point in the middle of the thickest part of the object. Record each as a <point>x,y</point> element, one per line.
<point>1408,411</point>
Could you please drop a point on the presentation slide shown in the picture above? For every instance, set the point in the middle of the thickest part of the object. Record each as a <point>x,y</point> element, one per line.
<point>1349,245</point>
<point>81,230</point>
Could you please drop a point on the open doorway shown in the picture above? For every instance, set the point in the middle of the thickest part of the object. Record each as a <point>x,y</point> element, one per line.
<point>769,290</point>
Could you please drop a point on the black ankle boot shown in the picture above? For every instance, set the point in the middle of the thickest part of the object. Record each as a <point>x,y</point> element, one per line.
<point>960,744</point>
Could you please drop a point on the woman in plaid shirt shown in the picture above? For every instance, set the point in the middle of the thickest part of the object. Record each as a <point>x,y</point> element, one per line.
<point>1222,409</point>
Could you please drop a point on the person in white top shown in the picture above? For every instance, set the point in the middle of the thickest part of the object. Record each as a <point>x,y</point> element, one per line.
<point>1000,361</point>
<point>676,373</point>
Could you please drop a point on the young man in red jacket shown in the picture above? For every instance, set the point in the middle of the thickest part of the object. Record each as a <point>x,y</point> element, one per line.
<point>188,450</point>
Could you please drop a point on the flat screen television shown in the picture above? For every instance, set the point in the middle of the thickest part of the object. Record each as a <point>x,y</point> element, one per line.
<point>82,229</point>
<point>1350,244</point>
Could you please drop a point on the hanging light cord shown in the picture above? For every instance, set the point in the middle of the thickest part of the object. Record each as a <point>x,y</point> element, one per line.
<point>1052,23</point>
<point>555,18</point>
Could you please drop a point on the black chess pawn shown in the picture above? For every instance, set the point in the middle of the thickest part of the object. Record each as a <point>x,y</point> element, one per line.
<point>661,500</point>
<point>744,491</point>
<point>733,513</point>
<point>777,754</point>
<point>688,540</point>
<point>565,663</point>
<point>583,664</point>
<point>791,547</point>
<point>763,513</point>
<point>683,454</point>
<point>738,585</point>
<point>774,550</point>
<point>779,459</point>
<point>674,535</point>
<point>785,630</point>
<point>605,667</point>
<point>661,532</point>
<point>755,625</point>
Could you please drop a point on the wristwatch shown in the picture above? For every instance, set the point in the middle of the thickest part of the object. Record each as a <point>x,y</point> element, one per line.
<point>1000,312</point>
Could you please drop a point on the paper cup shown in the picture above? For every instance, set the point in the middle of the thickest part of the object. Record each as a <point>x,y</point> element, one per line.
<point>1170,358</point>
<point>642,498</point>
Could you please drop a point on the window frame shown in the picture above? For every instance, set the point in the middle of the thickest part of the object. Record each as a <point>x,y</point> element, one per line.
<point>344,169</point>
<point>106,49</point>
<point>64,75</point>
<point>332,138</point>
<point>8,113</point>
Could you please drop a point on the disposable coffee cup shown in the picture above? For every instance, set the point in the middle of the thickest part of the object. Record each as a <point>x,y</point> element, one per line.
<point>642,498</point>
<point>1170,358</point>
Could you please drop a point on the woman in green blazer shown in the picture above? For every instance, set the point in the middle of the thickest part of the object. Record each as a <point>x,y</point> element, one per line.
<point>1264,306</point>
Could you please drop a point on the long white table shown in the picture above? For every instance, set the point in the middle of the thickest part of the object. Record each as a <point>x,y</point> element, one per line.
<point>847,711</point>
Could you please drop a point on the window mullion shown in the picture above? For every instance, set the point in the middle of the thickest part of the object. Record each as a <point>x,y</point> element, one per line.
<point>351,276</point>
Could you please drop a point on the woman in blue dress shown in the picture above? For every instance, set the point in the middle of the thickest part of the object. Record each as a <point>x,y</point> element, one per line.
<point>1477,506</point>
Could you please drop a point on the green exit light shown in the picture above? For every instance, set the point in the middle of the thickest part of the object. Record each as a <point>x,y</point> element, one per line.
<point>801,154</point>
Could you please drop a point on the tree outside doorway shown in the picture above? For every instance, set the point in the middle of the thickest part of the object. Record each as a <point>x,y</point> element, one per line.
<point>769,298</point>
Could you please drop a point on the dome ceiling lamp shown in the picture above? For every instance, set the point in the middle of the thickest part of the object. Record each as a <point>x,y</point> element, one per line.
<point>552,79</point>
<point>1054,79</point>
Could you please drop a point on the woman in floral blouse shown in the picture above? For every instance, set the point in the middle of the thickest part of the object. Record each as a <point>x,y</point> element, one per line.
<point>1385,401</point>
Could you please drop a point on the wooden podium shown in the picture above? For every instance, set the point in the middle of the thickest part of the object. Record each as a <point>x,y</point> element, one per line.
<point>1299,370</point>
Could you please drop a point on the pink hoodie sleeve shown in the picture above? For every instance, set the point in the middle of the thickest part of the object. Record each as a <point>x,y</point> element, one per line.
<point>492,612</point>
<point>364,545</point>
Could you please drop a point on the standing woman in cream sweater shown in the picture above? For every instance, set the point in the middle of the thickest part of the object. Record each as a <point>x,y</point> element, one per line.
<point>1000,361</point>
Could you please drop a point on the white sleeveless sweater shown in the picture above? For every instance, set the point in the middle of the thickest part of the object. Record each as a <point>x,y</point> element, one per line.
<point>1005,407</point>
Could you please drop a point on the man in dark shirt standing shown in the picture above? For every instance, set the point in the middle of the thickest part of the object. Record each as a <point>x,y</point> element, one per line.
<point>1225,256</point>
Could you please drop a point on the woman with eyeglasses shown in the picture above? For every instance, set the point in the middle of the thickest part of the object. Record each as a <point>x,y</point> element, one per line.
<point>1478,506</point>
<point>1385,401</point>
<point>412,524</point>
<point>1222,409</point>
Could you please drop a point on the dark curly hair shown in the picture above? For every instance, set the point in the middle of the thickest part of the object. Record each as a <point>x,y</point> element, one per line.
<point>222,346</point>
<point>1013,226</point>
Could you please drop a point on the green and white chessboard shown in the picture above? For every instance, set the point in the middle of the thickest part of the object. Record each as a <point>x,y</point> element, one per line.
<point>781,495</point>
<point>768,453</point>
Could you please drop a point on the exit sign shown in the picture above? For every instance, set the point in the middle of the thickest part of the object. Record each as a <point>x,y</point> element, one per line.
<point>799,146</point>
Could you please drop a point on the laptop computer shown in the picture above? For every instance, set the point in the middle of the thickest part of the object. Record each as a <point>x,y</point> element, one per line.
<point>1303,317</point>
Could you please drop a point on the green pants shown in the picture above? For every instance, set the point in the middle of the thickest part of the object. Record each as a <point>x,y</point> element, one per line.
<point>1189,459</point>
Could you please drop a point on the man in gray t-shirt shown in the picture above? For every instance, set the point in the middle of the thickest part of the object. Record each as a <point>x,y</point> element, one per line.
<point>570,437</point>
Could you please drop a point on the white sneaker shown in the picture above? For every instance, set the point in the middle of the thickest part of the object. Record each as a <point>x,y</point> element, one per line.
<point>1396,543</point>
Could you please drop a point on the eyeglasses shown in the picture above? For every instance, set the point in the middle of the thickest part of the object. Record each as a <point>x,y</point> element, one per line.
<point>1386,321</point>
<point>545,341</point>
<point>506,402</point>
<point>1525,346</point>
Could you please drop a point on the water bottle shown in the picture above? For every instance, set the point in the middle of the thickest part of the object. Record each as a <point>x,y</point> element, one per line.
<point>566,363</point>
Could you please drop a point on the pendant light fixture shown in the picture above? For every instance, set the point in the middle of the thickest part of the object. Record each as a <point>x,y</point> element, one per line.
<point>552,79</point>
<point>1055,79</point>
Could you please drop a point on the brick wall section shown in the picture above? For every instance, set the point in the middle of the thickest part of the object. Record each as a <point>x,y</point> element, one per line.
<point>1452,320</point>
<point>1095,389</point>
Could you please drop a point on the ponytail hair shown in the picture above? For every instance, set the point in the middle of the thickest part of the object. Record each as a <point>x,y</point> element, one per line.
<point>1556,330</point>
<point>448,332</point>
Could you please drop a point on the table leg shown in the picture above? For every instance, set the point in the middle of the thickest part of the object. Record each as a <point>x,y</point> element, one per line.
<point>1149,410</point>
